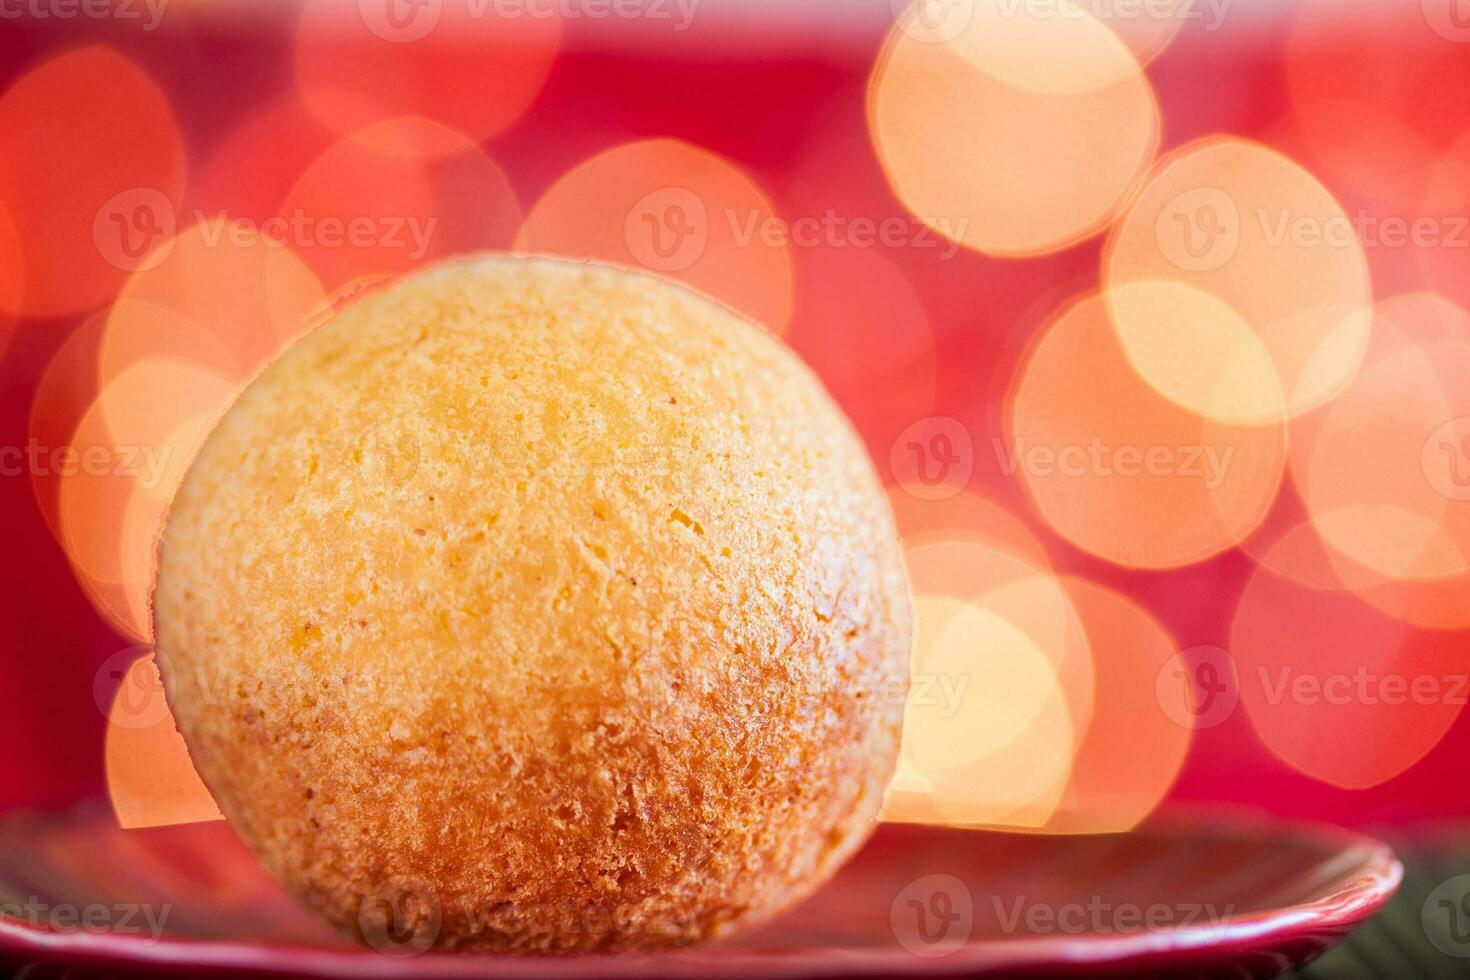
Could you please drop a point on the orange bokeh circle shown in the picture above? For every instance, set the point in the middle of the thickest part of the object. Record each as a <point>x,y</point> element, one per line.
<point>677,210</point>
<point>1121,471</point>
<point>92,165</point>
<point>1010,132</point>
<point>1337,689</point>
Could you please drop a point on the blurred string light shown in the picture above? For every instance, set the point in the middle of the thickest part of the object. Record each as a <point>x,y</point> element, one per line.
<point>65,391</point>
<point>1026,595</point>
<point>231,299</point>
<point>1160,404</point>
<point>1335,688</point>
<point>361,64</point>
<point>134,330</point>
<point>1130,754</point>
<point>201,315</point>
<point>1012,131</point>
<point>92,164</point>
<point>1384,471</point>
<point>1035,701</point>
<point>1001,690</point>
<point>1237,284</point>
<point>964,514</point>
<point>1121,471</point>
<point>675,209</point>
<point>150,778</point>
<point>143,429</point>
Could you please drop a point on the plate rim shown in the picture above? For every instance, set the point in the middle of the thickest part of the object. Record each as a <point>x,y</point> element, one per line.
<point>1376,875</point>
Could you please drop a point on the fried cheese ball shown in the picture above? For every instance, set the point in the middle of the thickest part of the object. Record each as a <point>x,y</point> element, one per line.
<point>532,604</point>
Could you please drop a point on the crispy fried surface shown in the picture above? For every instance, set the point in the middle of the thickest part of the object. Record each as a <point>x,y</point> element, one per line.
<point>554,597</point>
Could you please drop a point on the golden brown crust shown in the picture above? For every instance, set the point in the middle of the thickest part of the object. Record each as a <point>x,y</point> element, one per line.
<point>553,595</point>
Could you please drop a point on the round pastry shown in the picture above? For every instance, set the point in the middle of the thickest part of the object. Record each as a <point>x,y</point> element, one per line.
<point>532,604</point>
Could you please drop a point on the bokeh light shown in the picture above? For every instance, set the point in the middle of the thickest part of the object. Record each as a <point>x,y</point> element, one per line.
<point>150,778</point>
<point>1123,472</point>
<point>1135,746</point>
<point>1238,285</point>
<point>677,210</point>
<point>1337,689</point>
<point>131,450</point>
<point>1011,132</point>
<point>92,165</point>
<point>393,196</point>
<point>1002,687</point>
<point>1379,469</point>
<point>66,390</point>
<point>1149,28</point>
<point>136,330</point>
<point>999,753</point>
<point>240,290</point>
<point>1227,376</point>
<point>964,515</point>
<point>1444,219</point>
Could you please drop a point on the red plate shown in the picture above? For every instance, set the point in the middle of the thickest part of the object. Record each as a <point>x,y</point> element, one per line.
<point>1202,898</point>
